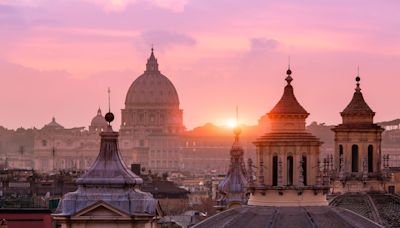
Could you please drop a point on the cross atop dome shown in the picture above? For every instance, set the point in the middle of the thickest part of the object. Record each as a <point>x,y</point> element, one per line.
<point>152,64</point>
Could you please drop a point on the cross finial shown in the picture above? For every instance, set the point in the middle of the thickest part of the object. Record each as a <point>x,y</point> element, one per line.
<point>109,100</point>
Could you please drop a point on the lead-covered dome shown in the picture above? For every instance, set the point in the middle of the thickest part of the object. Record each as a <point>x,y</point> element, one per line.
<point>98,120</point>
<point>152,87</point>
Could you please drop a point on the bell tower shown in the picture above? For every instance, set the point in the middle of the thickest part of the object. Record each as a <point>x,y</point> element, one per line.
<point>358,147</point>
<point>288,167</point>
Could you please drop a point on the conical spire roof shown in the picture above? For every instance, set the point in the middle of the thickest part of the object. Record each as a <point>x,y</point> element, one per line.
<point>109,181</point>
<point>109,169</point>
<point>235,181</point>
<point>288,104</point>
<point>357,105</point>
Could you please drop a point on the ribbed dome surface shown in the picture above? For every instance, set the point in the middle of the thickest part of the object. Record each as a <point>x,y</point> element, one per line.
<point>98,120</point>
<point>152,87</point>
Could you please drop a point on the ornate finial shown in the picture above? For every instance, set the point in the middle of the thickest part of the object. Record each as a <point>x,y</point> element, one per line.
<point>109,116</point>
<point>152,48</point>
<point>289,72</point>
<point>358,80</point>
<point>289,78</point>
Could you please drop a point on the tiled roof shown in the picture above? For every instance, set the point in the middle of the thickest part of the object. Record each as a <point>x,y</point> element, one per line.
<point>358,106</point>
<point>288,104</point>
<point>382,208</point>
<point>263,216</point>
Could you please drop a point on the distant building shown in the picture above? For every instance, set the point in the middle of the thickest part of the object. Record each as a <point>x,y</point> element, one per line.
<point>152,120</point>
<point>98,123</point>
<point>57,148</point>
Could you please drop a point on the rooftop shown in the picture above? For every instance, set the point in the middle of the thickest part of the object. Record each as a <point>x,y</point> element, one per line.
<point>260,216</point>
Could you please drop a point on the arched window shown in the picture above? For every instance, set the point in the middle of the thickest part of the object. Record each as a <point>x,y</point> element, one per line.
<point>275,171</point>
<point>354,158</point>
<point>289,170</point>
<point>304,166</point>
<point>340,155</point>
<point>370,159</point>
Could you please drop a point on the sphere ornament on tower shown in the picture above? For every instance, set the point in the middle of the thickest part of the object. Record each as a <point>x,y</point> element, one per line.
<point>109,117</point>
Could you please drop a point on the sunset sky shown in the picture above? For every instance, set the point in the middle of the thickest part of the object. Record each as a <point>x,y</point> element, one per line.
<point>57,57</point>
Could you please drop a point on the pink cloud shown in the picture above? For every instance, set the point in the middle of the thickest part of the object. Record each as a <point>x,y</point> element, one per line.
<point>218,53</point>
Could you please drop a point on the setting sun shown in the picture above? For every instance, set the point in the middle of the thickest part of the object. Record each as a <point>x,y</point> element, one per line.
<point>231,123</point>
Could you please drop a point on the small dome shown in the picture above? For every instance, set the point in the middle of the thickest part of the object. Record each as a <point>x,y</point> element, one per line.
<point>152,87</point>
<point>53,125</point>
<point>98,120</point>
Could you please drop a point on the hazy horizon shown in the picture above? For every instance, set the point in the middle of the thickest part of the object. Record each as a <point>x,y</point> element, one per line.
<point>59,57</point>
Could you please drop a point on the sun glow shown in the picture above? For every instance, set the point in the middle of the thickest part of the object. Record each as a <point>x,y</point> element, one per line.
<point>231,123</point>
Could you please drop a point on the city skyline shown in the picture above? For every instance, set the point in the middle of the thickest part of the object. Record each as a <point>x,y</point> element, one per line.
<point>58,58</point>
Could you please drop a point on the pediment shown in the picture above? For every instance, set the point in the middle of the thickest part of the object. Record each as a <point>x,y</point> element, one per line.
<point>100,210</point>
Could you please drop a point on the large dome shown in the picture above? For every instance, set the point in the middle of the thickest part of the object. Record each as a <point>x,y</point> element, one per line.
<point>152,88</point>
